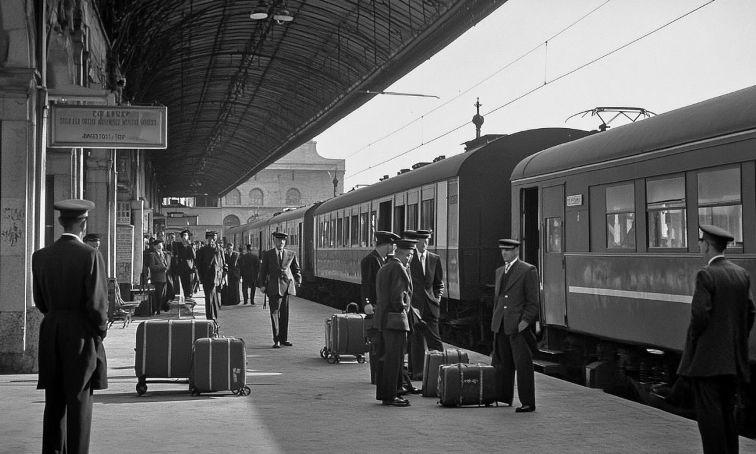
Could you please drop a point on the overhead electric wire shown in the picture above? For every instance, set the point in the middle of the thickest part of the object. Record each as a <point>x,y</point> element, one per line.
<point>529,92</point>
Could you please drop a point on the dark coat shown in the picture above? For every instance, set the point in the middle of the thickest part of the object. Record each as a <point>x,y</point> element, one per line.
<point>210,266</point>
<point>184,256</point>
<point>722,314</point>
<point>159,266</point>
<point>232,265</point>
<point>516,297</point>
<point>249,266</point>
<point>70,288</point>
<point>427,287</point>
<point>279,277</point>
<point>393,291</point>
<point>369,266</point>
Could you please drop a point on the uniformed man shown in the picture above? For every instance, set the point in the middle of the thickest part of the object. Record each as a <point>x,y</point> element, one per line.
<point>516,305</point>
<point>210,270</point>
<point>369,266</point>
<point>70,288</point>
<point>715,357</point>
<point>184,257</point>
<point>93,240</point>
<point>393,299</point>
<point>279,277</point>
<point>249,266</point>
<point>231,290</point>
<point>160,264</point>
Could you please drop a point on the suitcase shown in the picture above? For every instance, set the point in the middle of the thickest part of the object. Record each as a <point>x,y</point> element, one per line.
<point>345,335</point>
<point>467,384</point>
<point>164,348</point>
<point>435,358</point>
<point>219,364</point>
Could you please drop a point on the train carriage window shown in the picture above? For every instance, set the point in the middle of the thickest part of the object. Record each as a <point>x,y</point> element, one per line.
<point>398,218</point>
<point>332,236</point>
<point>371,234</point>
<point>427,216</point>
<point>553,235</point>
<point>720,203</point>
<point>347,229</point>
<point>620,217</point>
<point>364,229</point>
<point>355,232</point>
<point>340,232</point>
<point>667,223</point>
<point>412,217</point>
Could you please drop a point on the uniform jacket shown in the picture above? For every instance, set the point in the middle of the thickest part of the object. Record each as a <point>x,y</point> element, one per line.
<point>279,277</point>
<point>516,297</point>
<point>427,287</point>
<point>184,256</point>
<point>70,288</point>
<point>159,266</point>
<point>249,266</point>
<point>393,291</point>
<point>369,266</point>
<point>722,314</point>
<point>210,266</point>
<point>232,264</point>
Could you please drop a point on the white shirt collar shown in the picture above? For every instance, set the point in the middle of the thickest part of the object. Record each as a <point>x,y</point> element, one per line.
<point>714,258</point>
<point>509,264</point>
<point>72,235</point>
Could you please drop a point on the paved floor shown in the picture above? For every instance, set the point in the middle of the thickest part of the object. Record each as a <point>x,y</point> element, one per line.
<point>301,404</point>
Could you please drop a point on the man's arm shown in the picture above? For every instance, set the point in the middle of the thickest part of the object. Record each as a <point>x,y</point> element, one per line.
<point>294,267</point>
<point>96,287</point>
<point>39,299</point>
<point>532,298</point>
<point>262,277</point>
<point>438,279</point>
<point>701,305</point>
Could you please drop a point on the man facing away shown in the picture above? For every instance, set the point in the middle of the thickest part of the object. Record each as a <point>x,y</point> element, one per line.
<point>210,269</point>
<point>231,290</point>
<point>715,357</point>
<point>516,305</point>
<point>249,265</point>
<point>279,277</point>
<point>70,288</point>
<point>160,264</point>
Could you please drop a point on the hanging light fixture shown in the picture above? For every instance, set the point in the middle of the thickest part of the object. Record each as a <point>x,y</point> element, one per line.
<point>260,12</point>
<point>282,14</point>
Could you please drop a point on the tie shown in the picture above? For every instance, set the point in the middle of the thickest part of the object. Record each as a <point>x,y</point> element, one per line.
<point>422,261</point>
<point>280,256</point>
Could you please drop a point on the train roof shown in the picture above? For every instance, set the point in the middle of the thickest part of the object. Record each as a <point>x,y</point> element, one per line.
<point>292,214</point>
<point>730,113</point>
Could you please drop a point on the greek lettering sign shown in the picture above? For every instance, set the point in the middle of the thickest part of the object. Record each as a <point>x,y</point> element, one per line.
<point>108,127</point>
<point>574,200</point>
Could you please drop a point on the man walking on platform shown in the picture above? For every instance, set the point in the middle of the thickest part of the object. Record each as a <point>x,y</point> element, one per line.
<point>279,277</point>
<point>231,290</point>
<point>210,270</point>
<point>516,305</point>
<point>184,258</point>
<point>160,264</point>
<point>249,265</point>
<point>70,288</point>
<point>715,358</point>
<point>393,299</point>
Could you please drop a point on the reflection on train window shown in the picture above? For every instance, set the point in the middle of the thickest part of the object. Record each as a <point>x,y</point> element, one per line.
<point>371,234</point>
<point>553,234</point>
<point>364,226</point>
<point>719,201</point>
<point>412,217</point>
<point>346,230</point>
<point>427,216</point>
<point>399,218</point>
<point>667,223</point>
<point>355,233</point>
<point>620,217</point>
<point>340,232</point>
<point>332,234</point>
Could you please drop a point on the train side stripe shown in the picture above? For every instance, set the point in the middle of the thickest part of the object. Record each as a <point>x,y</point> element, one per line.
<point>632,294</point>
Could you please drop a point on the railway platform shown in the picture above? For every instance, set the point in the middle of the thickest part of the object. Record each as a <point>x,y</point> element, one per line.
<point>300,403</point>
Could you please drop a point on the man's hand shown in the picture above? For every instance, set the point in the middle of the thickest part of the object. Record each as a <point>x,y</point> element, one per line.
<point>262,289</point>
<point>369,309</point>
<point>522,325</point>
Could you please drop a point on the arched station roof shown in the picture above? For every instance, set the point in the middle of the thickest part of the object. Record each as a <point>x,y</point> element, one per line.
<point>243,93</point>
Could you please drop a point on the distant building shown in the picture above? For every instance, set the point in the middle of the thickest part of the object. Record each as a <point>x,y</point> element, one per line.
<point>300,178</point>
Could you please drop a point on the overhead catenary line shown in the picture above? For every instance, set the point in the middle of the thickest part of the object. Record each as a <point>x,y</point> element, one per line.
<point>537,88</point>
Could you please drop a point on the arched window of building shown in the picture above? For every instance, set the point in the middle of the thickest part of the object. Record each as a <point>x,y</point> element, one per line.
<point>293,197</point>
<point>256,197</point>
<point>231,221</point>
<point>233,198</point>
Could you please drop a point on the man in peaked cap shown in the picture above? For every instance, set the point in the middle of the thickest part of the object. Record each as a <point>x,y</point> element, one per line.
<point>185,256</point>
<point>92,239</point>
<point>516,305</point>
<point>210,270</point>
<point>279,277</point>
<point>715,358</point>
<point>70,288</point>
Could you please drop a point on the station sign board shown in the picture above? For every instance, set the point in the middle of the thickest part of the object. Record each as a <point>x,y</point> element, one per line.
<point>81,126</point>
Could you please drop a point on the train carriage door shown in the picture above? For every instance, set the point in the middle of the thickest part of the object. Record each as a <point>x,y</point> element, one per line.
<point>553,304</point>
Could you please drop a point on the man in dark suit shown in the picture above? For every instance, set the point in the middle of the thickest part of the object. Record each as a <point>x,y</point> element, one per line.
<point>70,288</point>
<point>160,265</point>
<point>249,266</point>
<point>184,257</point>
<point>393,299</point>
<point>715,358</point>
<point>369,266</point>
<point>210,270</point>
<point>516,305</point>
<point>427,288</point>
<point>231,290</point>
<point>279,277</point>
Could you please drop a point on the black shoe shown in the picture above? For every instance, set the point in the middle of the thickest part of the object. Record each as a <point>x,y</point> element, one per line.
<point>251,304</point>
<point>396,402</point>
<point>245,302</point>
<point>276,345</point>
<point>525,409</point>
<point>286,344</point>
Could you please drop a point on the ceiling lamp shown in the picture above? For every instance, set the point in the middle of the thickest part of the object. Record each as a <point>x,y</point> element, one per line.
<point>282,15</point>
<point>260,12</point>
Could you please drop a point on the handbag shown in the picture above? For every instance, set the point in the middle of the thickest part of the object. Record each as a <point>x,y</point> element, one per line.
<point>397,321</point>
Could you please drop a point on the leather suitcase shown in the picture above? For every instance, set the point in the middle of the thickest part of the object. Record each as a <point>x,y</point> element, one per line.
<point>434,359</point>
<point>467,384</point>
<point>219,364</point>
<point>164,348</point>
<point>345,335</point>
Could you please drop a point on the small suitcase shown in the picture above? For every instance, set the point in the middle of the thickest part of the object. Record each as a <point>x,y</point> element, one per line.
<point>219,364</point>
<point>345,335</point>
<point>467,384</point>
<point>164,348</point>
<point>434,359</point>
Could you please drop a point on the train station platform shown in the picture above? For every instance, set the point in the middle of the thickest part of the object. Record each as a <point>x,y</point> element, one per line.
<point>300,403</point>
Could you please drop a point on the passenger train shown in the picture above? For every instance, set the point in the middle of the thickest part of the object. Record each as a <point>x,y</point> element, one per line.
<point>610,219</point>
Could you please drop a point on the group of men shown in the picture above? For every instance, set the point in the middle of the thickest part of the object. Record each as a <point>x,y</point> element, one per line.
<point>170,267</point>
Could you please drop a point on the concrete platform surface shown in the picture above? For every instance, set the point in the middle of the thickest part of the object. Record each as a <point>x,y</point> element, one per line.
<point>301,404</point>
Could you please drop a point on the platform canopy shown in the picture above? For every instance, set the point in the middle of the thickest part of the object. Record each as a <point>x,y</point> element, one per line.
<point>241,93</point>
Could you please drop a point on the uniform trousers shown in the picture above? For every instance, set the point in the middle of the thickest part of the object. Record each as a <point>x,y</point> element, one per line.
<point>279,317</point>
<point>186,283</point>
<point>159,297</point>
<point>212,302</point>
<point>388,375</point>
<point>248,290</point>
<point>67,421</point>
<point>714,399</point>
<point>511,353</point>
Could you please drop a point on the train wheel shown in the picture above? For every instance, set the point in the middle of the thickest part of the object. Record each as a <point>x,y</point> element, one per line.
<point>324,353</point>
